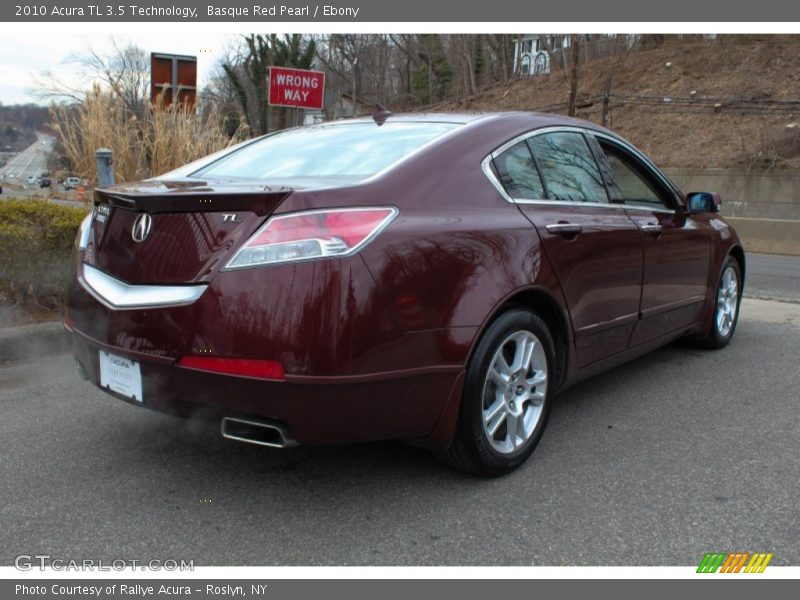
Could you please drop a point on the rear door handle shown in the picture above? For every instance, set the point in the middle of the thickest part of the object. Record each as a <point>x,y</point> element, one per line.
<point>564,228</point>
<point>652,228</point>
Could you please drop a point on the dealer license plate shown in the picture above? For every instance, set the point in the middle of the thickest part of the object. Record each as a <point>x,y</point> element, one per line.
<point>121,375</point>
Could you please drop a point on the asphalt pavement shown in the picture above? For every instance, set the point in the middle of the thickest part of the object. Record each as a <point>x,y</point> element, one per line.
<point>679,453</point>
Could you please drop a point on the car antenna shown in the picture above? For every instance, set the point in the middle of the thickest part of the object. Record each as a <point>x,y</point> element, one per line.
<point>380,113</point>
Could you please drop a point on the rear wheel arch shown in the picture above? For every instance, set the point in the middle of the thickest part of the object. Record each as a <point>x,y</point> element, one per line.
<point>543,304</point>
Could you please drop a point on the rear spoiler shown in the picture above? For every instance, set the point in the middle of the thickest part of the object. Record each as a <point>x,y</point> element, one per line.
<point>260,201</point>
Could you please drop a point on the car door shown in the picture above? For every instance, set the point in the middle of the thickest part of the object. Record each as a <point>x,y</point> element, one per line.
<point>593,246</point>
<point>676,246</point>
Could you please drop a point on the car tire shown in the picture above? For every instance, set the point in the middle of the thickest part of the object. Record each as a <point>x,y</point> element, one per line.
<point>505,402</point>
<point>727,298</point>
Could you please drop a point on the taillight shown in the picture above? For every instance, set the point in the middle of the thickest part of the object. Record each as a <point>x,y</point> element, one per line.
<point>243,367</point>
<point>312,234</point>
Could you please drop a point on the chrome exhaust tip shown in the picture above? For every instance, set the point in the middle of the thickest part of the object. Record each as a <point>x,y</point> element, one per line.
<point>259,432</point>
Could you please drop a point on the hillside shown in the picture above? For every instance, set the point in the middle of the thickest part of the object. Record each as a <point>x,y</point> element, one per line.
<point>743,113</point>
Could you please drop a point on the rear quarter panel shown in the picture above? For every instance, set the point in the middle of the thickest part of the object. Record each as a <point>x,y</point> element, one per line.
<point>457,249</point>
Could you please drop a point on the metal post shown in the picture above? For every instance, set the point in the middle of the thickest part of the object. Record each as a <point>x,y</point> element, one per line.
<point>105,167</point>
<point>174,90</point>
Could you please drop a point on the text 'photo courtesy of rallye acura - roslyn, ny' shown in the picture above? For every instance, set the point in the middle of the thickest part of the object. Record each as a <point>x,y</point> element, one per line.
<point>435,278</point>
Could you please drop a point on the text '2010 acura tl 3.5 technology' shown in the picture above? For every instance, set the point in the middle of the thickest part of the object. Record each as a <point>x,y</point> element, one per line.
<point>435,278</point>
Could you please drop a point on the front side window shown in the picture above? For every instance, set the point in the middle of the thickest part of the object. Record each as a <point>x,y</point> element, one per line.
<point>517,172</point>
<point>568,167</point>
<point>349,152</point>
<point>631,181</point>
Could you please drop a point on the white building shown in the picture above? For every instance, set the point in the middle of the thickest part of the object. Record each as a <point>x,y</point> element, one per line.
<point>531,56</point>
<point>533,52</point>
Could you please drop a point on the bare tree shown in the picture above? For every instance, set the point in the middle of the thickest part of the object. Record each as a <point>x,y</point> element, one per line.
<point>248,72</point>
<point>124,69</point>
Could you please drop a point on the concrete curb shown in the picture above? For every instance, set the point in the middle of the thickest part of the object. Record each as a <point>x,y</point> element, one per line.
<point>29,341</point>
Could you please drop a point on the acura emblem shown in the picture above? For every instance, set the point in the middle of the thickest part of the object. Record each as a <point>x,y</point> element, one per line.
<point>141,227</point>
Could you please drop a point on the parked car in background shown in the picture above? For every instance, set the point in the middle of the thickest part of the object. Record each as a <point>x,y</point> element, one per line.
<point>71,183</point>
<point>437,278</point>
<point>44,182</point>
<point>32,180</point>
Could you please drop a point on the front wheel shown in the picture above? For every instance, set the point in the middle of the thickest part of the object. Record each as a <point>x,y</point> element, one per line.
<point>506,391</point>
<point>726,306</point>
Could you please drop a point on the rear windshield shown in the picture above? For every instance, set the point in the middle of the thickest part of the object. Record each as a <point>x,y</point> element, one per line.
<point>352,152</point>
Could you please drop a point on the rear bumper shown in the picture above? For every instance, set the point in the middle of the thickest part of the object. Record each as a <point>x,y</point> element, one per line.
<point>316,410</point>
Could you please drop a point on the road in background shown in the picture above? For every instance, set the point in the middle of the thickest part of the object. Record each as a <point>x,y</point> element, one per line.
<point>773,276</point>
<point>31,162</point>
<point>657,462</point>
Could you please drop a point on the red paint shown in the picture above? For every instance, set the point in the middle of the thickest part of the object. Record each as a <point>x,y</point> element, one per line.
<point>296,87</point>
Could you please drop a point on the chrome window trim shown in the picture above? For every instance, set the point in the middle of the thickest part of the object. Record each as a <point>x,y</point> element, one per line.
<point>535,132</point>
<point>118,295</point>
<point>487,171</point>
<point>615,205</point>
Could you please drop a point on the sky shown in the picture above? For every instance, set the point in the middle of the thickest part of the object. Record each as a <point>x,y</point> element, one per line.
<point>24,55</point>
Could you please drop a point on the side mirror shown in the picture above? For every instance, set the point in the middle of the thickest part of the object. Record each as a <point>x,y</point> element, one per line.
<point>703,202</point>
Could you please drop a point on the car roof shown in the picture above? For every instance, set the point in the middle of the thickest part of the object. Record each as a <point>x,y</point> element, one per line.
<point>430,117</point>
<point>524,119</point>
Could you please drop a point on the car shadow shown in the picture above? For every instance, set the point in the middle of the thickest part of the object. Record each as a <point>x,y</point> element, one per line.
<point>168,441</point>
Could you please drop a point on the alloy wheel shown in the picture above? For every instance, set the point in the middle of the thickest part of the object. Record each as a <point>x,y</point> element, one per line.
<point>514,392</point>
<point>727,301</point>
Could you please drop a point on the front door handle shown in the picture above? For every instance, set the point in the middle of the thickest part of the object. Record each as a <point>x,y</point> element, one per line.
<point>653,228</point>
<point>564,228</point>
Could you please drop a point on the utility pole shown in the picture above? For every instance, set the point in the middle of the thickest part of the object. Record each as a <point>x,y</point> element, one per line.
<point>607,100</point>
<point>573,75</point>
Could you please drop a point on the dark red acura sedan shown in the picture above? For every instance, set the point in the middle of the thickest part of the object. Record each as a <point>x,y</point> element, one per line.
<point>435,278</point>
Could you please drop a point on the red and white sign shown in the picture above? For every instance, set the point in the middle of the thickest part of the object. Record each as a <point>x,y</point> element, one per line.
<point>296,87</point>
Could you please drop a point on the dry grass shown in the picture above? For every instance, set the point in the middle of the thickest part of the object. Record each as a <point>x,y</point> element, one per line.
<point>166,138</point>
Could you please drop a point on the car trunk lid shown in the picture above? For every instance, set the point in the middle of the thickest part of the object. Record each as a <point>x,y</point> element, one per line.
<point>174,232</point>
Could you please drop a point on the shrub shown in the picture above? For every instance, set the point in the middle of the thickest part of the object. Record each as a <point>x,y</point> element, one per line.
<point>36,242</point>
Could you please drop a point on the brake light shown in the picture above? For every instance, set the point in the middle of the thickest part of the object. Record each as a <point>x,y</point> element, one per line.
<point>312,234</point>
<point>243,367</point>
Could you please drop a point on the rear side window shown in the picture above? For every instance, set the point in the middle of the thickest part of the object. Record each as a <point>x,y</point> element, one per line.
<point>350,152</point>
<point>568,167</point>
<point>518,174</point>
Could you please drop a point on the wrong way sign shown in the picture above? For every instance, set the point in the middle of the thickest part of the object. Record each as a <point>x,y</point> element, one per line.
<point>296,87</point>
